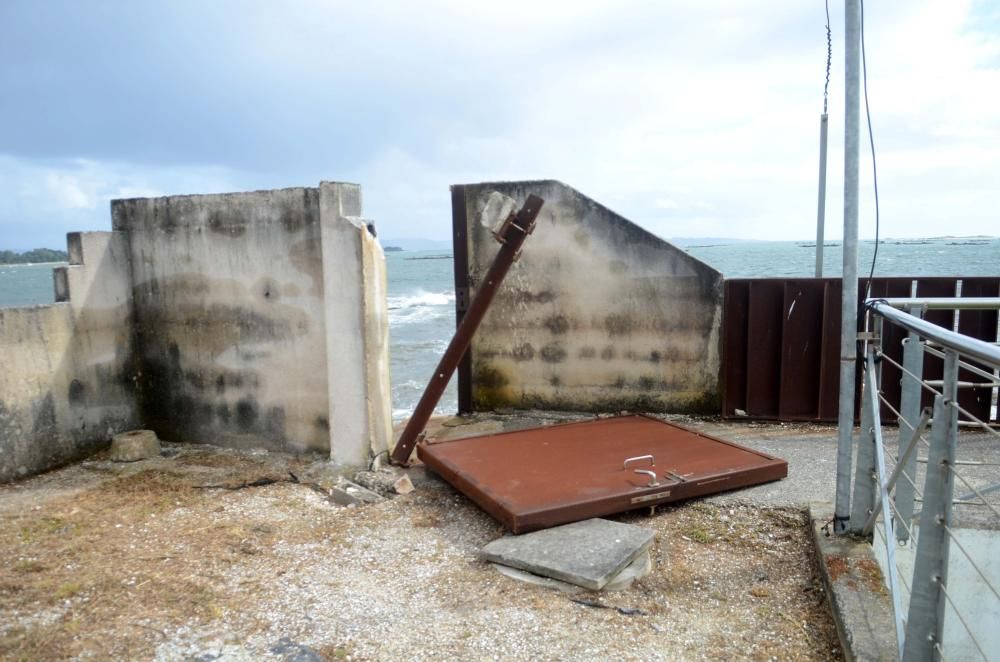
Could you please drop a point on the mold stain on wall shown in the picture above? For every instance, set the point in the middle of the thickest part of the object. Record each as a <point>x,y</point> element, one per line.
<point>615,317</point>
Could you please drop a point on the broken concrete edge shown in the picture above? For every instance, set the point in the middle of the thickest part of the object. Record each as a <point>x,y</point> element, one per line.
<point>639,568</point>
<point>855,590</point>
<point>588,553</point>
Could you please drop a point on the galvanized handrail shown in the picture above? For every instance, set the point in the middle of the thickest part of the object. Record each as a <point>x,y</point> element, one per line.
<point>883,504</point>
<point>971,347</point>
<point>944,303</point>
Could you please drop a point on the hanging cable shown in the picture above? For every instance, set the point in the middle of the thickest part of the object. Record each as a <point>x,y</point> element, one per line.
<point>871,141</point>
<point>829,58</point>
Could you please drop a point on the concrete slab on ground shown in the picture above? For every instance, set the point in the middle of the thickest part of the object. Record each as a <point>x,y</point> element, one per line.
<point>588,553</point>
<point>637,569</point>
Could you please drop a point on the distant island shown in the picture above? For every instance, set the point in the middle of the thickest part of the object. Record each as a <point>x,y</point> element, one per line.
<point>33,256</point>
<point>392,249</point>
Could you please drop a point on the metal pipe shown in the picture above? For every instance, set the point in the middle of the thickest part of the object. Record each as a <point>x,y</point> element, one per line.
<point>970,347</point>
<point>945,303</point>
<point>909,409</point>
<point>849,295</point>
<point>871,388</point>
<point>911,446</point>
<point>511,236</point>
<point>925,621</point>
<point>821,204</point>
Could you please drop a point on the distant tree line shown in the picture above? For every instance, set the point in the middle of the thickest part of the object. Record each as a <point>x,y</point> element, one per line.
<point>36,255</point>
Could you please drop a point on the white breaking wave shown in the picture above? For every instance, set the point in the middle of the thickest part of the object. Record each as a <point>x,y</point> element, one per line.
<point>419,306</point>
<point>421,298</point>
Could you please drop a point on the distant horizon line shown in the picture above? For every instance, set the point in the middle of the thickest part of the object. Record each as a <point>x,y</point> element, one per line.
<point>395,240</point>
<point>391,243</point>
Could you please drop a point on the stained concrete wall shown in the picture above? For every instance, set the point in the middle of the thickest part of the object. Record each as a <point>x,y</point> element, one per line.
<point>65,383</point>
<point>597,314</point>
<point>249,319</point>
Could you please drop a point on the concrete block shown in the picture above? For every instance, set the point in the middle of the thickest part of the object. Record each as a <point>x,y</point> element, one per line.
<point>588,554</point>
<point>134,445</point>
<point>637,569</point>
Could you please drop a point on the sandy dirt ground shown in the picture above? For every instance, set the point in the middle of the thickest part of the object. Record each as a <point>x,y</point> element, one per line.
<point>181,557</point>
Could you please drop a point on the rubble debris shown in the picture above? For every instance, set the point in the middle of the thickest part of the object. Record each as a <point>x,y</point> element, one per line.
<point>386,481</point>
<point>403,485</point>
<point>134,445</point>
<point>589,553</point>
<point>349,493</point>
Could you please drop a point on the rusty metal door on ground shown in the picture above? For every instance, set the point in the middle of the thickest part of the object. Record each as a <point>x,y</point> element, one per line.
<point>541,477</point>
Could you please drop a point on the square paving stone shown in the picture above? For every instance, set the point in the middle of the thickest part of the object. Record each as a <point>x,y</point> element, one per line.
<point>588,553</point>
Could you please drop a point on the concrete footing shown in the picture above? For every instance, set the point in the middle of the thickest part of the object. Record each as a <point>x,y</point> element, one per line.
<point>856,590</point>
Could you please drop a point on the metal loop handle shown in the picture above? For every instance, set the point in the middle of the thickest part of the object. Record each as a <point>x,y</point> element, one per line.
<point>637,458</point>
<point>652,476</point>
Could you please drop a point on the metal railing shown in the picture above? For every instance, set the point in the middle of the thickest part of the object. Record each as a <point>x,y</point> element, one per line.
<point>907,504</point>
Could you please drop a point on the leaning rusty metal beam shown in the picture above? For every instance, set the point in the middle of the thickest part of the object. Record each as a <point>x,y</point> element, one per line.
<point>511,236</point>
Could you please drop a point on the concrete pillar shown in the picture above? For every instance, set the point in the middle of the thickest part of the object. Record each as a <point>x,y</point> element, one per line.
<point>356,325</point>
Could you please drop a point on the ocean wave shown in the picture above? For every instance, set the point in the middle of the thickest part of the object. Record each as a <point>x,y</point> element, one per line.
<point>421,298</point>
<point>444,409</point>
<point>414,315</point>
<point>420,306</point>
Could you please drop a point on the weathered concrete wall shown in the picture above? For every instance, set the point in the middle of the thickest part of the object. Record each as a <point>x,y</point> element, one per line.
<point>597,314</point>
<point>249,319</point>
<point>357,329</point>
<point>66,385</point>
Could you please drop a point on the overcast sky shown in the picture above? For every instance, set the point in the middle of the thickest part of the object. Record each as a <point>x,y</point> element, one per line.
<point>690,118</point>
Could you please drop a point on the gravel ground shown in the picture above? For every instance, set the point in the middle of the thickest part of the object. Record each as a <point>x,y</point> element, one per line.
<point>141,560</point>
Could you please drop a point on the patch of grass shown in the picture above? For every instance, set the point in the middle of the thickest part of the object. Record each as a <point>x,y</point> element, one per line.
<point>46,525</point>
<point>698,534</point>
<point>21,644</point>
<point>336,651</point>
<point>25,566</point>
<point>68,590</point>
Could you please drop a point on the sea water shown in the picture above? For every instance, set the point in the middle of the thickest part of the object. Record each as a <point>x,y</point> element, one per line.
<point>27,284</point>
<point>421,297</point>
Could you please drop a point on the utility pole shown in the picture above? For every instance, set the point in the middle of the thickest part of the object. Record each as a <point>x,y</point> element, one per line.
<point>821,210</point>
<point>849,300</point>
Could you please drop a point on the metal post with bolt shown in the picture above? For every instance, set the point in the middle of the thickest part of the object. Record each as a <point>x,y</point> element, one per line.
<point>865,477</point>
<point>925,621</point>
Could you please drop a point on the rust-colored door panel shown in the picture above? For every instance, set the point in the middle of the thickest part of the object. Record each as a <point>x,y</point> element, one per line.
<point>541,477</point>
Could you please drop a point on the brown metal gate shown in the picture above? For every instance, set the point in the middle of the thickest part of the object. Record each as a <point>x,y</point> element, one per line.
<point>781,340</point>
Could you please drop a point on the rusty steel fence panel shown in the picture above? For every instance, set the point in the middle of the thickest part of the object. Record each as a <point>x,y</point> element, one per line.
<point>978,324</point>
<point>780,355</point>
